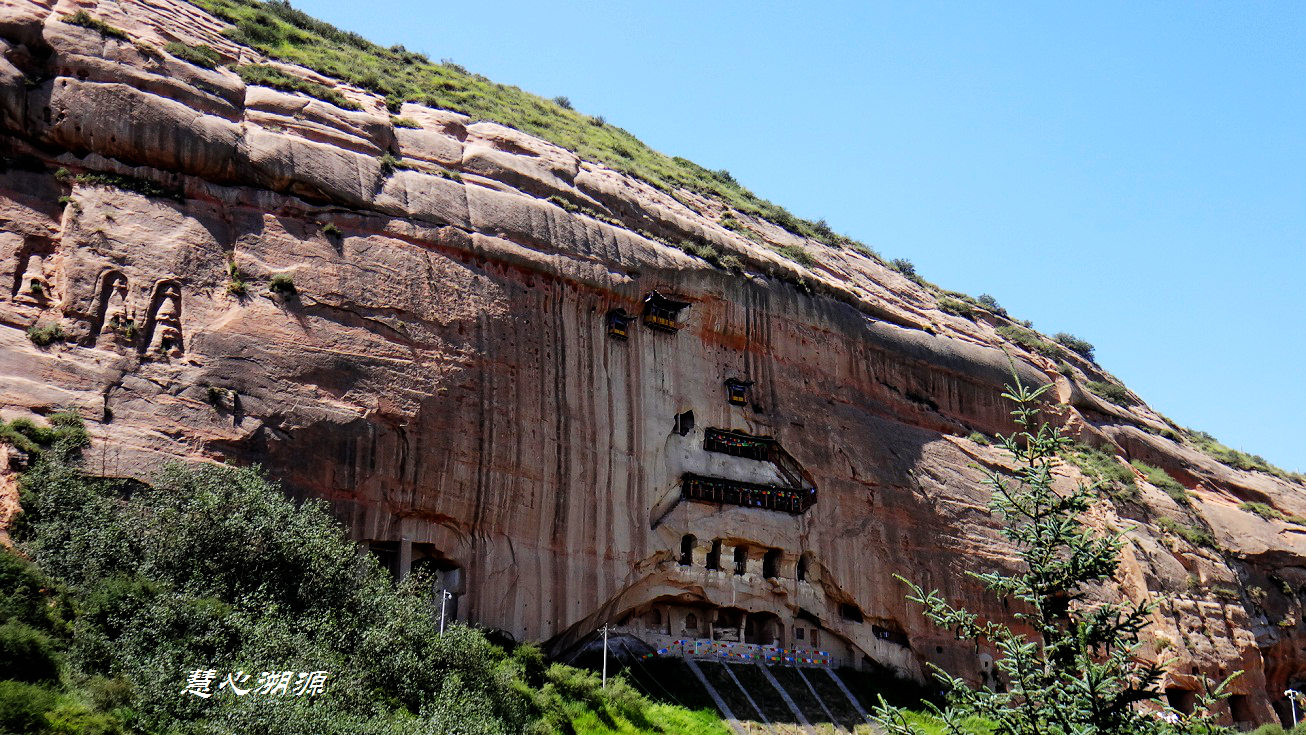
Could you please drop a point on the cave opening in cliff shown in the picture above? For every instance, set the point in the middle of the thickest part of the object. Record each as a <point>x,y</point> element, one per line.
<point>804,563</point>
<point>1182,700</point>
<point>687,550</point>
<point>737,391</point>
<point>684,423</point>
<point>662,313</point>
<point>1240,709</point>
<point>771,563</point>
<point>714,556</point>
<point>764,628</point>
<point>741,559</point>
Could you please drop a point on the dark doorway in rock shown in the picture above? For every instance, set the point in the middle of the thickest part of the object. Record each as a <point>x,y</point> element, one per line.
<point>804,564</point>
<point>714,556</point>
<point>851,613</point>
<point>687,550</point>
<point>1240,709</point>
<point>741,559</point>
<point>1182,700</point>
<point>763,629</point>
<point>771,564</point>
<point>684,423</point>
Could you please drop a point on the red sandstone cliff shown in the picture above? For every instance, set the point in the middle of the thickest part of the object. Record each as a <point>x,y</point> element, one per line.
<point>447,378</point>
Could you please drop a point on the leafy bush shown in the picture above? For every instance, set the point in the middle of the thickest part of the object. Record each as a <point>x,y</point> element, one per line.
<point>1075,344</point>
<point>202,55</point>
<point>236,285</point>
<point>45,334</point>
<point>85,20</point>
<point>269,76</point>
<point>330,230</point>
<point>23,707</point>
<point>282,284</point>
<point>562,102</point>
<point>390,163</point>
<point>27,654</point>
<point>1113,392</point>
<point>990,303</point>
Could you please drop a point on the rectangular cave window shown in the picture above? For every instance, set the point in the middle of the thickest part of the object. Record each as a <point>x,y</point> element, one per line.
<point>892,636</point>
<point>771,564</point>
<point>851,613</point>
<point>741,559</point>
<point>1240,709</point>
<point>799,633</point>
<point>739,444</point>
<point>662,313</point>
<point>687,550</point>
<point>619,324</point>
<point>737,391</point>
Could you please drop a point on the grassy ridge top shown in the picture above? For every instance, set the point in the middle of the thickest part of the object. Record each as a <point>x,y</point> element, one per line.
<point>280,31</point>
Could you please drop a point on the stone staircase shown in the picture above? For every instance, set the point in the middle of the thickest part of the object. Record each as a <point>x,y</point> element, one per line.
<point>781,700</point>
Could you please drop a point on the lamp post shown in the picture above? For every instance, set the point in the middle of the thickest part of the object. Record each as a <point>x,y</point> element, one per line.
<point>1292,695</point>
<point>605,656</point>
<point>445,596</point>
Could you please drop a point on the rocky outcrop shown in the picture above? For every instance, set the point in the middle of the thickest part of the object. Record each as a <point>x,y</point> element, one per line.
<point>445,373</point>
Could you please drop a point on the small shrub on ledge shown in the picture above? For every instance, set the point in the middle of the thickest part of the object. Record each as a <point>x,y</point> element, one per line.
<point>202,56</point>
<point>44,335</point>
<point>236,285</point>
<point>85,20</point>
<point>283,285</point>
<point>1113,392</point>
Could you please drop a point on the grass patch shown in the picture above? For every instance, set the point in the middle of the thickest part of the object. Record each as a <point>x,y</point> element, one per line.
<point>405,122</point>
<point>202,56</point>
<point>1270,513</point>
<point>330,230</point>
<point>1030,341</point>
<point>1105,469</point>
<point>285,33</point>
<point>979,438</point>
<point>1162,480</point>
<point>798,254</point>
<point>236,285</point>
<point>45,334</point>
<point>26,435</point>
<point>1192,534</point>
<point>269,76</point>
<point>956,307</point>
<point>1113,392</point>
<point>1212,448</point>
<point>709,253</point>
<point>86,20</point>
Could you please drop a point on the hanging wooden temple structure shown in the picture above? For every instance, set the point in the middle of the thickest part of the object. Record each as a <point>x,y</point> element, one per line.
<point>739,444</point>
<point>662,313</point>
<point>619,324</point>
<point>747,494</point>
<point>737,391</point>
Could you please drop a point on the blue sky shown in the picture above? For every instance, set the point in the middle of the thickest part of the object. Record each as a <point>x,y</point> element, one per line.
<point>1132,173</point>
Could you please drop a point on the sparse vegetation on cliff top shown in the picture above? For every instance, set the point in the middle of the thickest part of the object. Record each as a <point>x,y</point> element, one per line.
<point>283,32</point>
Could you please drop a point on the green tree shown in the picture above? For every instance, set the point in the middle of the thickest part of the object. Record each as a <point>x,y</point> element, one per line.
<point>1074,666</point>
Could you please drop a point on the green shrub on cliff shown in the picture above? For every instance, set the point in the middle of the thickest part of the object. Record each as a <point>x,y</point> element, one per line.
<point>270,76</point>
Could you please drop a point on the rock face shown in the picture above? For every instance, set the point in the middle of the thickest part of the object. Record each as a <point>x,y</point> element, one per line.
<point>446,373</point>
